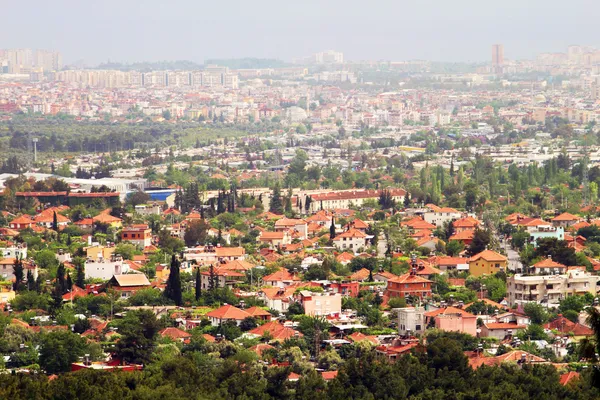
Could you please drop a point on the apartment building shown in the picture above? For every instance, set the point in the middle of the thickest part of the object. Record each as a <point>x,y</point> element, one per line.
<point>346,198</point>
<point>550,288</point>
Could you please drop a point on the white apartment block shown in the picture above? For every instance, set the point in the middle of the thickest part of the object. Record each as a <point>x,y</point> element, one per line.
<point>550,288</point>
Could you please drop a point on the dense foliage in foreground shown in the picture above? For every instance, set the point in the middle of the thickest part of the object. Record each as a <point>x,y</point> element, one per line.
<point>442,372</point>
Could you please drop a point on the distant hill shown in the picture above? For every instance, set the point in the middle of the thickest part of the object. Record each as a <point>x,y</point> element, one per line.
<point>151,66</point>
<point>247,63</point>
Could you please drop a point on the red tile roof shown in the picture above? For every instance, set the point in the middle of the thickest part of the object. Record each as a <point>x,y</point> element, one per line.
<point>228,312</point>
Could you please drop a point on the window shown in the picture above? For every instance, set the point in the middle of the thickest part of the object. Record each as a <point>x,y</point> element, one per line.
<point>417,327</point>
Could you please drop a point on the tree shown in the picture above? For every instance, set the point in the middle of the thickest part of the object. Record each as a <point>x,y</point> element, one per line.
<point>195,233</point>
<point>480,241</point>
<point>454,247</point>
<point>173,289</point>
<point>248,323</point>
<point>54,222</point>
<point>519,239</point>
<point>198,286</point>
<point>18,272</point>
<point>138,332</point>
<point>276,204</point>
<point>59,349</point>
<point>332,229</point>
<point>80,276</point>
<point>137,198</point>
<point>537,313</point>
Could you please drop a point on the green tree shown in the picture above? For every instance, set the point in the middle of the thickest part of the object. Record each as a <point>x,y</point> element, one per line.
<point>537,313</point>
<point>59,349</point>
<point>198,285</point>
<point>454,248</point>
<point>276,203</point>
<point>173,289</point>
<point>138,331</point>
<point>481,239</point>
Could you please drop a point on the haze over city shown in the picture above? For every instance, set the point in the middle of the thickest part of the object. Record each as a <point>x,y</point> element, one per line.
<point>130,31</point>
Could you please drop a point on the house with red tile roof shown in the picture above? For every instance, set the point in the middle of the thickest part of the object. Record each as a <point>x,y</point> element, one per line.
<point>477,359</point>
<point>358,336</point>
<point>352,239</point>
<point>453,319</point>
<point>281,278</point>
<point>417,223</point>
<point>222,278</point>
<point>548,267</point>
<point>500,330</point>
<point>227,313</point>
<point>361,275</point>
<point>447,263</point>
<point>259,313</point>
<point>568,377</point>
<point>565,220</point>
<point>408,284</point>
<point>277,298</point>
<point>344,258</point>
<point>21,222</point>
<point>567,327</point>
<point>276,331</point>
<point>175,334</point>
<point>466,237</point>
<point>440,215</point>
<point>465,224</point>
<point>487,262</point>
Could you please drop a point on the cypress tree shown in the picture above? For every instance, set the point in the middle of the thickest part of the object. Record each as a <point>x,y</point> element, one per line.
<point>18,273</point>
<point>69,282</point>
<point>80,276</point>
<point>60,279</point>
<point>173,289</point>
<point>54,222</point>
<point>276,205</point>
<point>198,284</point>
<point>30,281</point>
<point>332,229</point>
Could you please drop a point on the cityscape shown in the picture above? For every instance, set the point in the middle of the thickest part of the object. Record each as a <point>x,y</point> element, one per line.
<point>309,226</point>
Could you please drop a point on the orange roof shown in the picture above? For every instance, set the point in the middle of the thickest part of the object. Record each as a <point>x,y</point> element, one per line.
<point>106,218</point>
<point>359,224</point>
<point>463,235</point>
<point>23,219</point>
<point>467,222</point>
<point>358,336</point>
<point>276,330</point>
<point>488,255</point>
<point>548,263</point>
<point>449,311</point>
<point>258,312</point>
<point>329,375</point>
<point>209,338</point>
<point>564,326</point>
<point>281,275</point>
<point>345,256</point>
<point>502,325</point>
<point>360,275</point>
<point>565,217</point>
<point>568,377</point>
<point>174,333</point>
<point>409,278</point>
<point>418,223</point>
<point>271,236</point>
<point>230,251</point>
<point>289,222</point>
<point>451,261</point>
<point>228,312</point>
<point>351,233</point>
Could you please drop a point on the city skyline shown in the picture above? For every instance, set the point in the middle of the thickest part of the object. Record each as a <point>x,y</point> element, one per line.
<point>443,32</point>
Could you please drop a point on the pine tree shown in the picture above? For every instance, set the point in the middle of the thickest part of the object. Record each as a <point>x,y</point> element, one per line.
<point>332,229</point>
<point>198,284</point>
<point>276,205</point>
<point>18,273</point>
<point>173,289</point>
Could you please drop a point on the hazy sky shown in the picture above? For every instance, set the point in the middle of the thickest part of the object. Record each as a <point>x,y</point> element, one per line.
<point>150,30</point>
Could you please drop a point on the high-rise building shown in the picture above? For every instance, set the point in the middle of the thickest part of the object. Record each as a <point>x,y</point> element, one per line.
<point>497,57</point>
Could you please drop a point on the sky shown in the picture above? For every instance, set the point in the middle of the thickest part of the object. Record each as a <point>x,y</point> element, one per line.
<point>436,30</point>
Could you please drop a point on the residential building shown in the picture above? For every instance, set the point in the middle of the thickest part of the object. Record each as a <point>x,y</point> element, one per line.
<point>548,267</point>
<point>139,235</point>
<point>500,330</point>
<point>550,288</point>
<point>346,198</point>
<point>487,262</point>
<point>316,304</point>
<point>105,268</point>
<point>565,220</point>
<point>453,319</point>
<point>353,240</point>
<point>411,320</point>
<point>409,284</point>
<point>129,284</point>
<point>223,277</point>
<point>440,215</point>
<point>227,313</point>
